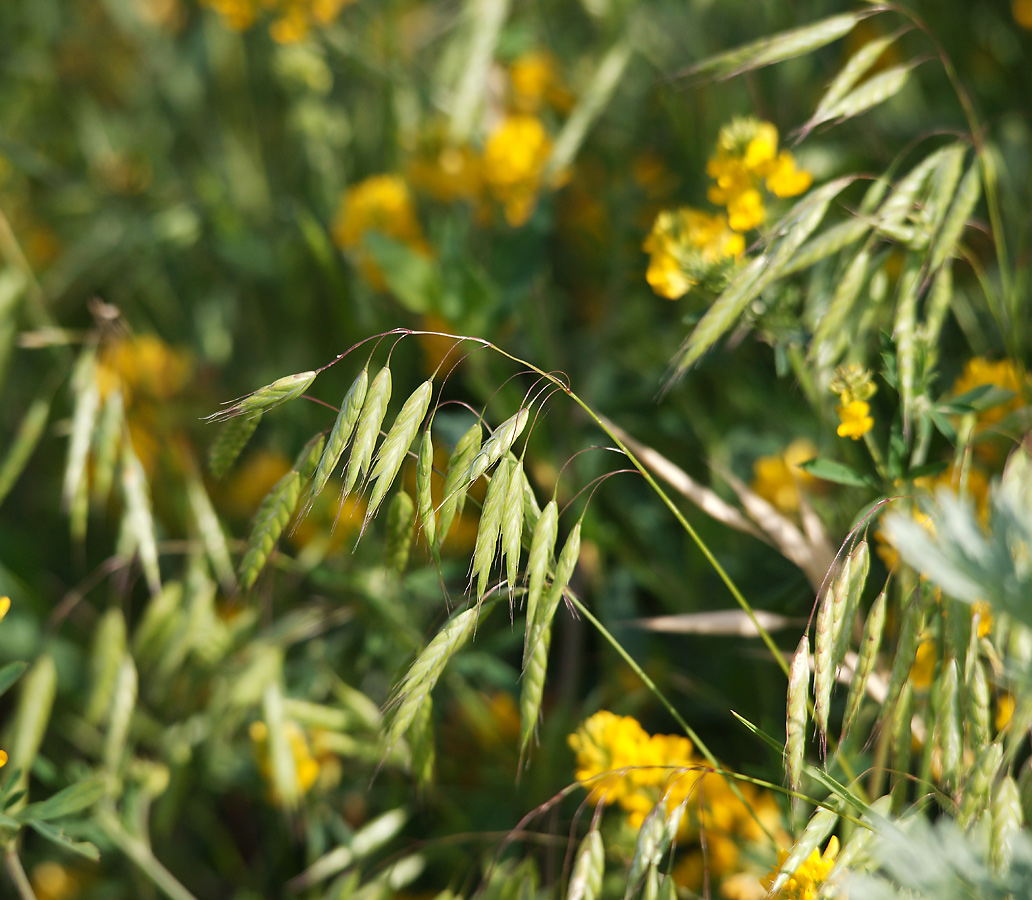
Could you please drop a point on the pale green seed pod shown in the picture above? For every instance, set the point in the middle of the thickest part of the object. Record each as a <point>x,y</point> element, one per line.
<point>512,523</point>
<point>874,627</point>
<point>1007,821</point>
<point>490,527</point>
<point>588,868</point>
<point>396,445</point>
<point>421,744</point>
<point>368,428</point>
<point>978,701</point>
<point>340,434</point>
<point>109,647</point>
<point>542,546</point>
<point>902,714</point>
<point>268,397</point>
<point>795,720</point>
<point>821,824</point>
<point>31,718</point>
<point>947,734</point>
<point>272,517</point>
<point>532,690</point>
<point>230,442</point>
<point>401,523</point>
<point>978,785</point>
<point>497,445</point>
<point>455,486</point>
<point>424,497</point>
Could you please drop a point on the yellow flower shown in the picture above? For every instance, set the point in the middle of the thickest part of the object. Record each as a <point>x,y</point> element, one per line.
<point>5,606</point>
<point>535,80</point>
<point>53,881</point>
<point>980,372</point>
<point>783,179</point>
<point>606,746</point>
<point>3,758</point>
<point>381,203</point>
<point>306,766</point>
<point>855,418</point>
<point>806,881</point>
<point>447,173</point>
<point>1004,711</point>
<point>923,670</point>
<point>747,158</point>
<point>292,19</point>
<point>684,246</point>
<point>513,165</point>
<point>778,478</point>
<point>1022,12</point>
<point>982,617</point>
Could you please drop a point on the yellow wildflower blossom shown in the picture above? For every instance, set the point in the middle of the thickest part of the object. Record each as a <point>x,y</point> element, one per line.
<point>777,479</point>
<point>806,881</point>
<point>607,745</point>
<point>306,766</point>
<point>513,165</point>
<point>535,80</point>
<point>980,372</point>
<point>292,19</point>
<point>1021,10</point>
<point>747,159</point>
<point>684,246</point>
<point>380,203</point>
<point>855,419</point>
<point>1004,711</point>
<point>5,606</point>
<point>923,669</point>
<point>982,618</point>
<point>53,881</point>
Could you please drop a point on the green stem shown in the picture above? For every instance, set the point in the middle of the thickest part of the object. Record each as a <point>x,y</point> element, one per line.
<point>142,855</point>
<point>18,876</point>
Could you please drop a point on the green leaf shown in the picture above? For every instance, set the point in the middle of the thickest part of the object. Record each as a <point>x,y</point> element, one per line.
<point>72,799</point>
<point>414,280</point>
<point>837,472</point>
<point>9,674</point>
<point>55,835</point>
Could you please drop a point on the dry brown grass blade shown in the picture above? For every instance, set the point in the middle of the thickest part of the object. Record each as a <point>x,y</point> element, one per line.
<point>709,502</point>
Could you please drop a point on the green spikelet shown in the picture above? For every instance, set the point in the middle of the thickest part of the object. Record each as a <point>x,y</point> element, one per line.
<point>232,438</point>
<point>455,487</point>
<point>340,434</point>
<point>401,521</point>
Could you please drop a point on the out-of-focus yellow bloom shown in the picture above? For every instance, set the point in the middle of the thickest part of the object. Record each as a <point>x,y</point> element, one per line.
<point>447,173</point>
<point>1022,12</point>
<point>305,764</point>
<point>747,158</point>
<point>380,203</point>
<point>806,881</point>
<point>855,419</point>
<point>513,165</point>
<point>778,478</point>
<point>982,617</point>
<point>5,606</point>
<point>684,246</point>
<point>144,367</point>
<point>3,758</point>
<point>1004,711</point>
<point>52,881</point>
<point>607,745</point>
<point>980,372</point>
<point>535,81</point>
<point>923,670</point>
<point>292,19</point>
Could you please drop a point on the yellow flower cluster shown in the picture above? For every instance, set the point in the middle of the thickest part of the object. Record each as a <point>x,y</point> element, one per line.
<point>619,762</point>
<point>306,766</point>
<point>510,167</point>
<point>778,479</point>
<point>291,19</point>
<point>685,246</point>
<point>514,161</point>
<point>806,881</point>
<point>746,160</point>
<point>980,372</point>
<point>854,386</point>
<point>381,203</point>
